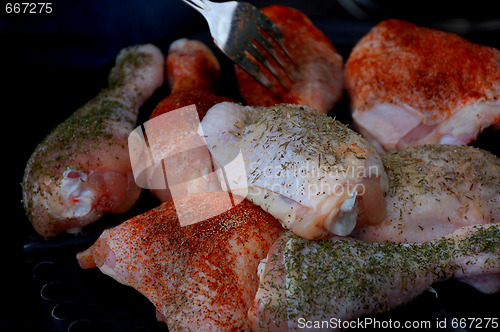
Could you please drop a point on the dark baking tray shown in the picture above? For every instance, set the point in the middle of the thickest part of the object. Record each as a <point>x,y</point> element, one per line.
<point>48,72</point>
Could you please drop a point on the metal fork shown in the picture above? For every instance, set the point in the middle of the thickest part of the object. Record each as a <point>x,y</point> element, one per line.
<point>239,30</point>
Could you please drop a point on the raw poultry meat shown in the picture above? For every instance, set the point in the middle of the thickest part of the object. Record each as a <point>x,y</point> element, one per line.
<point>435,190</point>
<point>318,69</point>
<point>412,85</point>
<point>193,74</point>
<point>82,168</point>
<point>199,277</point>
<point>306,169</point>
<point>345,278</point>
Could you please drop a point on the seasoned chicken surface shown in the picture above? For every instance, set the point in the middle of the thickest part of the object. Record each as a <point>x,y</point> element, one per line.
<point>306,169</point>
<point>412,85</point>
<point>82,170</point>
<point>435,190</point>
<point>201,277</point>
<point>193,74</point>
<point>345,278</point>
<point>318,67</point>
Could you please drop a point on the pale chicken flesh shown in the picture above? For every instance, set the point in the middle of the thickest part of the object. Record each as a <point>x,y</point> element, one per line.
<point>435,190</point>
<point>201,277</point>
<point>306,169</point>
<point>82,170</point>
<point>412,85</point>
<point>345,278</point>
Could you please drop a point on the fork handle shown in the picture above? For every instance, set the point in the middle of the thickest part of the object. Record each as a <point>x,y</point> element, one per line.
<point>199,5</point>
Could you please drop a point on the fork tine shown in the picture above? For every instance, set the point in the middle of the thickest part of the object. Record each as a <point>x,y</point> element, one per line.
<point>251,40</point>
<point>253,70</point>
<point>251,65</point>
<point>285,62</point>
<point>257,54</point>
<point>260,57</point>
<point>280,75</point>
<point>269,33</point>
<point>270,28</point>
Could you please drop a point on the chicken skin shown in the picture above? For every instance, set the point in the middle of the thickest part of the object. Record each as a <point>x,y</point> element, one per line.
<point>193,74</point>
<point>318,67</point>
<point>306,169</point>
<point>344,278</point>
<point>435,190</point>
<point>82,170</point>
<point>201,277</point>
<point>412,85</point>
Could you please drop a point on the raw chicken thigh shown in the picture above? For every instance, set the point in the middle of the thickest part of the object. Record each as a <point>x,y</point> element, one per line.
<point>435,190</point>
<point>317,70</point>
<point>345,278</point>
<point>82,168</point>
<point>411,85</point>
<point>306,169</point>
<point>201,277</point>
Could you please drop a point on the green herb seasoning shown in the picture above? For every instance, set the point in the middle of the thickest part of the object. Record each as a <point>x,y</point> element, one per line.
<point>345,278</point>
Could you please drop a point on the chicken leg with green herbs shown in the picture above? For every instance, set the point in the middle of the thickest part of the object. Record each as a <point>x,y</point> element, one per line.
<point>82,170</point>
<point>344,278</point>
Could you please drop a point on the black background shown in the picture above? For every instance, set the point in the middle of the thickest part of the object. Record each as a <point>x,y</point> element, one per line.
<point>51,64</point>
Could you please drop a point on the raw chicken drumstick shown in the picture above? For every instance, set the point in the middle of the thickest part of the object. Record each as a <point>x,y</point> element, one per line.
<point>318,67</point>
<point>345,278</point>
<point>435,190</point>
<point>201,277</point>
<point>193,74</point>
<point>411,85</point>
<point>82,168</point>
<point>305,168</point>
